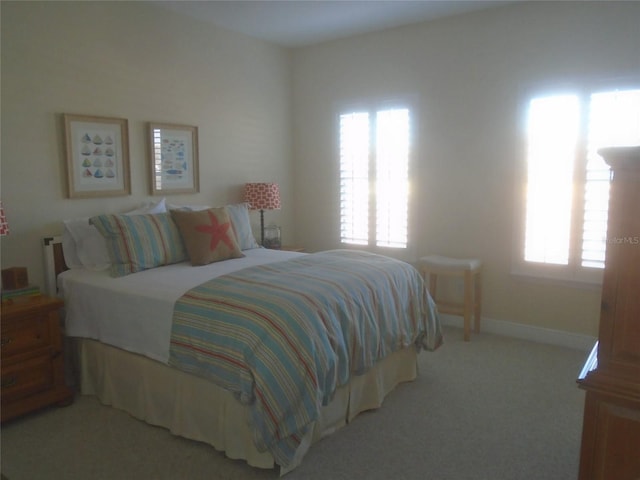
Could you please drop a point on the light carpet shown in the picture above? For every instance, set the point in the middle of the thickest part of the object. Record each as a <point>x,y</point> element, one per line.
<point>495,408</point>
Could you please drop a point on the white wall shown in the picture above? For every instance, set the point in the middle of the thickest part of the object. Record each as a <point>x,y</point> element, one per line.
<point>136,61</point>
<point>469,78</point>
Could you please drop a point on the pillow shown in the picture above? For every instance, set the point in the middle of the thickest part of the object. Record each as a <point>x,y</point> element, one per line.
<point>188,208</point>
<point>83,246</point>
<point>208,235</point>
<point>70,251</point>
<point>149,207</point>
<point>140,242</point>
<point>239,215</point>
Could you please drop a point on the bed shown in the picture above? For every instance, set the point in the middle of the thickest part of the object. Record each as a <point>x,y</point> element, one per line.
<point>257,355</point>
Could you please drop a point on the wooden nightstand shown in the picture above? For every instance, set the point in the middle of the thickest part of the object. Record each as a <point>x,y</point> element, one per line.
<point>32,361</point>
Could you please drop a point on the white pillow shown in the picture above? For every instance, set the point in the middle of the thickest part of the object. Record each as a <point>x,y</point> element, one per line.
<point>188,208</point>
<point>69,250</point>
<point>90,246</point>
<point>149,207</point>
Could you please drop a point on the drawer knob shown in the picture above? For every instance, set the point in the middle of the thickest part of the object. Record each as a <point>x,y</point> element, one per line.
<point>6,341</point>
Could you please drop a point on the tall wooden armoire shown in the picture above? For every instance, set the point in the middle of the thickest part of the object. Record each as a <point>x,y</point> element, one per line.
<point>611,377</point>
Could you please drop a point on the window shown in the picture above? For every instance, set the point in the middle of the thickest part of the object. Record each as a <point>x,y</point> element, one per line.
<point>374,178</point>
<point>567,192</point>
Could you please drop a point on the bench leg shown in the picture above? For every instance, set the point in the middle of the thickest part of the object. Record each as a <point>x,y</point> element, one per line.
<point>433,283</point>
<point>477,301</point>
<point>468,304</point>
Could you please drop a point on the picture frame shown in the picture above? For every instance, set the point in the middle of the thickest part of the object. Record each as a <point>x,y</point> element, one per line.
<point>97,151</point>
<point>173,158</point>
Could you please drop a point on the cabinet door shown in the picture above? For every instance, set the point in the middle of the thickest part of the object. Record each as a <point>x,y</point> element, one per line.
<point>620,316</point>
<point>616,438</point>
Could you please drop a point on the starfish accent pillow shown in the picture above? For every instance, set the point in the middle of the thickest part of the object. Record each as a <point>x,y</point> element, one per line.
<point>207,234</point>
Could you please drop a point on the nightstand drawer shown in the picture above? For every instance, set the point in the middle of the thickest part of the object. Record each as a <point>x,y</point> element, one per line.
<point>25,336</point>
<point>32,359</point>
<point>26,378</point>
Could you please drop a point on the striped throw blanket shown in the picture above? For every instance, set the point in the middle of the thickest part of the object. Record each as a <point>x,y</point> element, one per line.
<point>282,337</point>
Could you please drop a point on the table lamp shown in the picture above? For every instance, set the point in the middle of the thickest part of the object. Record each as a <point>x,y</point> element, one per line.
<point>262,196</point>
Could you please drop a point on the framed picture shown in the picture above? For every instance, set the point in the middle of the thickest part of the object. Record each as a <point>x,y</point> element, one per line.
<point>173,159</point>
<point>97,156</point>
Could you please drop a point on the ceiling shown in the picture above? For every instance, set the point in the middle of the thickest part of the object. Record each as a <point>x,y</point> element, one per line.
<point>298,23</point>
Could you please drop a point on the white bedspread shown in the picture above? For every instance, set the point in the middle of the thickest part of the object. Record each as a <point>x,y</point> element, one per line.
<point>134,312</point>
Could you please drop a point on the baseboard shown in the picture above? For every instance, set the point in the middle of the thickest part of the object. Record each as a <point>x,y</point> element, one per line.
<point>527,332</point>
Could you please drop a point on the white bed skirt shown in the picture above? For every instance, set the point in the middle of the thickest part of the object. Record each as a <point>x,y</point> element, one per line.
<point>194,408</point>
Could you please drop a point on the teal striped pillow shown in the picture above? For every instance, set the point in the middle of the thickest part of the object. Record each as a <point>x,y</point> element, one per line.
<point>140,242</point>
<point>239,215</point>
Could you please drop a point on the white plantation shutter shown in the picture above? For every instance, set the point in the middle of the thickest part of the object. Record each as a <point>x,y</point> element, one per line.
<point>563,167</point>
<point>392,177</point>
<point>354,178</point>
<point>553,132</point>
<point>374,150</point>
<point>614,120</point>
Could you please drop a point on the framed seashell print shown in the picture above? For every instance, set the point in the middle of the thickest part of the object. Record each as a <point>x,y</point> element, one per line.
<point>173,158</point>
<point>97,151</point>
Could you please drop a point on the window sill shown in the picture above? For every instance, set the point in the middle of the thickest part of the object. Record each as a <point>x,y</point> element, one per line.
<point>590,279</point>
